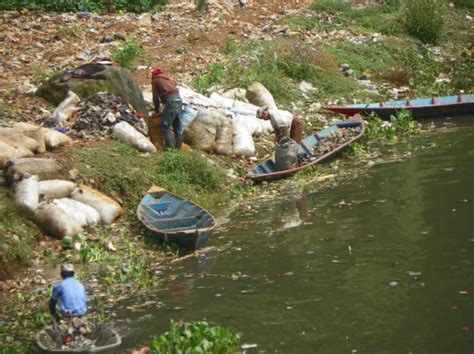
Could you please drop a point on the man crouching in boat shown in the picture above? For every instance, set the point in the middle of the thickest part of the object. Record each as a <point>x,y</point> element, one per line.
<point>283,125</point>
<point>70,293</point>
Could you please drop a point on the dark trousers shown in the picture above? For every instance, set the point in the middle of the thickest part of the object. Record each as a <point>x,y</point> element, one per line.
<point>171,122</point>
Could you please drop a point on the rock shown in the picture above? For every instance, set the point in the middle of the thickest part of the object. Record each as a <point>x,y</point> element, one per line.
<point>113,79</point>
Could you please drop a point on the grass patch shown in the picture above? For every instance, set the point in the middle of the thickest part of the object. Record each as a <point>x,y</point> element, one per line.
<point>196,337</point>
<point>127,54</point>
<point>424,19</point>
<point>280,66</point>
<point>383,18</point>
<point>126,174</point>
<point>19,237</point>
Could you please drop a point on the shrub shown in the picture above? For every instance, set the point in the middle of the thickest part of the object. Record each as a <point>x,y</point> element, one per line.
<point>464,72</point>
<point>127,53</point>
<point>464,3</point>
<point>196,337</point>
<point>179,171</point>
<point>424,19</point>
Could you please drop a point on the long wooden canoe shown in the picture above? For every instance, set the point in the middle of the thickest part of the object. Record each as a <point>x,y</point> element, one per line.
<point>420,108</point>
<point>174,219</point>
<point>266,171</point>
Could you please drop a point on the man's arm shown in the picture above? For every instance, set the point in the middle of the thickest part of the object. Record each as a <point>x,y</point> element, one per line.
<point>52,306</point>
<point>156,99</point>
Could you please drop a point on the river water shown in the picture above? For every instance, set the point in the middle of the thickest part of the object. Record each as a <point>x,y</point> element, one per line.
<point>379,264</point>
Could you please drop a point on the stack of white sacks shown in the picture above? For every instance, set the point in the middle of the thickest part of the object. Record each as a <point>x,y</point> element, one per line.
<point>205,119</point>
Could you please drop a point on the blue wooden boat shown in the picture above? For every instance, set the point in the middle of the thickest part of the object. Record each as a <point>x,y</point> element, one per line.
<point>174,219</point>
<point>420,108</point>
<point>267,171</point>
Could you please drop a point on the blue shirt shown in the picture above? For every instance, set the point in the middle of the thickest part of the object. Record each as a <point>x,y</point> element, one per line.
<point>71,295</point>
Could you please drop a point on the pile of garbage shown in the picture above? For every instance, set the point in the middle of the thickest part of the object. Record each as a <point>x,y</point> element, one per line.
<point>335,139</point>
<point>96,116</point>
<point>74,334</point>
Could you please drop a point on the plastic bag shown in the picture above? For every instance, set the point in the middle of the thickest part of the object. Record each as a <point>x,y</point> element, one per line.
<point>128,134</point>
<point>65,109</point>
<point>55,188</point>
<point>286,155</point>
<point>42,167</point>
<point>108,208</point>
<point>82,214</point>
<point>55,222</point>
<point>26,193</point>
<point>260,96</point>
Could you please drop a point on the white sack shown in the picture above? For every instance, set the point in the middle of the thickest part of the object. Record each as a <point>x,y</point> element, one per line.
<point>8,152</point>
<point>260,96</point>
<point>235,105</point>
<point>34,132</point>
<point>224,137</point>
<point>12,137</point>
<point>81,213</point>
<point>242,138</point>
<point>55,222</point>
<point>108,208</point>
<point>187,116</point>
<point>196,99</point>
<point>236,94</point>
<point>52,138</point>
<point>26,193</point>
<point>42,167</point>
<point>65,109</point>
<point>55,188</point>
<point>128,134</point>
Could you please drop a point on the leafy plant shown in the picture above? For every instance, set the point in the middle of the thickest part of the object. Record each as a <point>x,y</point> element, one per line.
<point>214,76</point>
<point>196,337</point>
<point>424,19</point>
<point>403,123</point>
<point>127,54</point>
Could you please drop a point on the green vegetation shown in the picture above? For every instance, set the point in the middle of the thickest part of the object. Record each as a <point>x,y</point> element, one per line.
<point>279,66</point>
<point>464,3</point>
<point>81,5</point>
<point>125,174</point>
<point>383,18</point>
<point>127,54</point>
<point>196,337</point>
<point>424,19</point>
<point>19,238</point>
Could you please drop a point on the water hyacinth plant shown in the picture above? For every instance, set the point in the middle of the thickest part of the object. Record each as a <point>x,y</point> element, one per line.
<point>196,337</point>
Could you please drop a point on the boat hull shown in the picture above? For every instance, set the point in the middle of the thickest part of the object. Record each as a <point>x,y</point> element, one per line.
<point>112,341</point>
<point>420,108</point>
<point>172,219</point>
<point>262,172</point>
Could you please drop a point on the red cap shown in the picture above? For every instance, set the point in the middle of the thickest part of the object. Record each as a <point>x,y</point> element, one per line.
<point>156,71</point>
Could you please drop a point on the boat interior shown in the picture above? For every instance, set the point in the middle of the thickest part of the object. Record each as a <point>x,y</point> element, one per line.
<point>166,212</point>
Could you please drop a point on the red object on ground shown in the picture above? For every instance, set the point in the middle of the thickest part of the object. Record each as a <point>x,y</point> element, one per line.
<point>156,71</point>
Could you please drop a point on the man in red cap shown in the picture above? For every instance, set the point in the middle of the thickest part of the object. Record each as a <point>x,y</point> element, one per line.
<point>165,91</point>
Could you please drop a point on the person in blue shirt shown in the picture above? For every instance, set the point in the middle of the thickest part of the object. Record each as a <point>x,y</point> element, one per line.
<point>70,293</point>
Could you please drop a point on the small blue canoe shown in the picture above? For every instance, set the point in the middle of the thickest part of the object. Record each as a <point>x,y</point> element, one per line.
<point>174,219</point>
<point>420,108</point>
<point>267,171</point>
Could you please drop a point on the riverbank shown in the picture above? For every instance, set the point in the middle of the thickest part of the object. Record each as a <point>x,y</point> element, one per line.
<point>279,47</point>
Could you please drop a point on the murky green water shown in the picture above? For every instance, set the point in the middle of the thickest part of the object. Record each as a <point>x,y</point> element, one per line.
<point>311,274</point>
